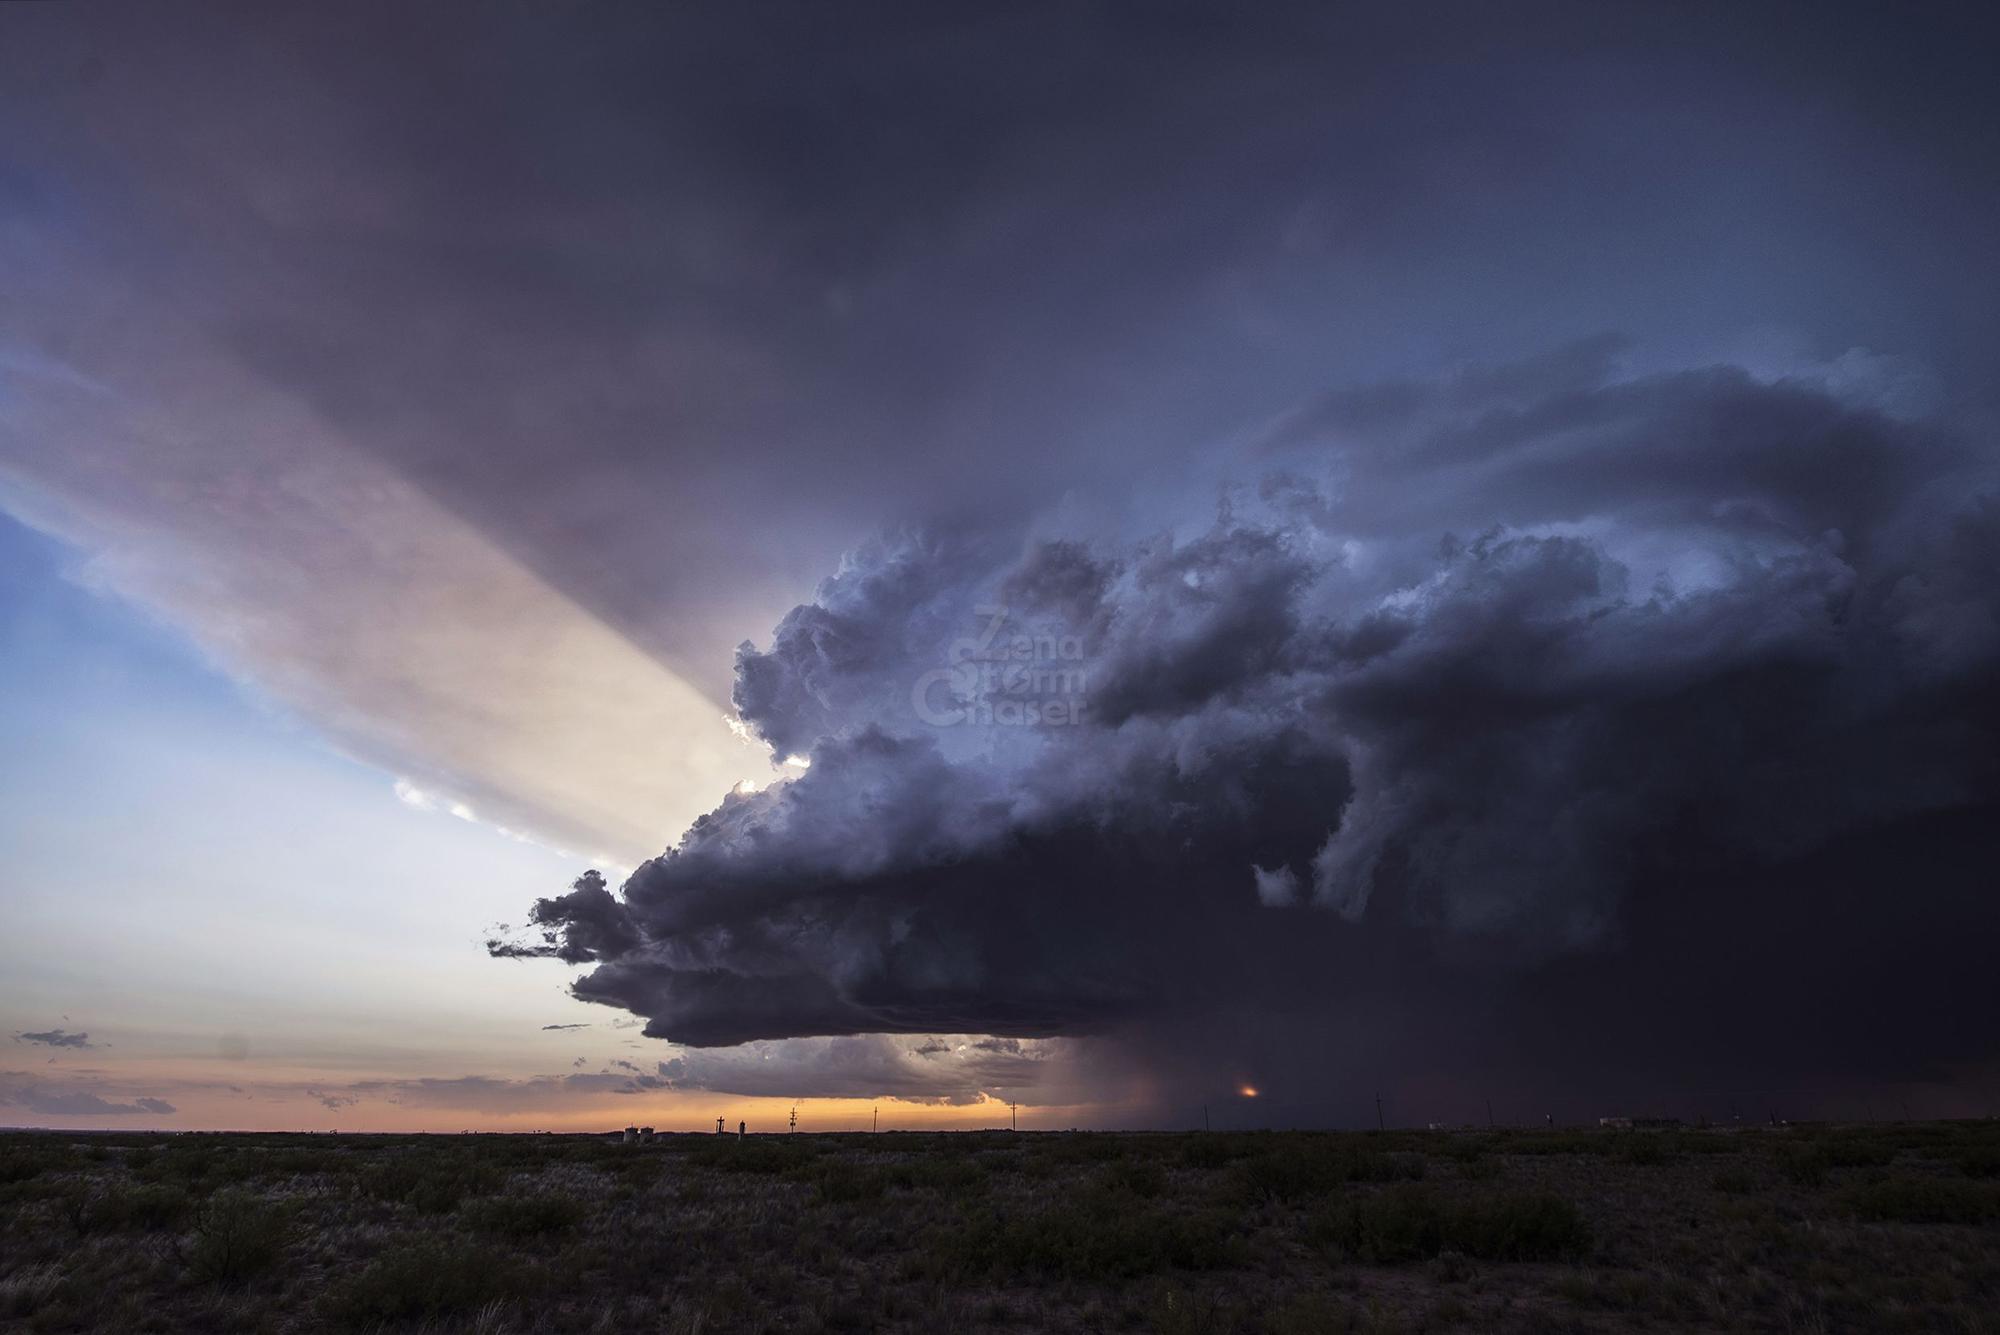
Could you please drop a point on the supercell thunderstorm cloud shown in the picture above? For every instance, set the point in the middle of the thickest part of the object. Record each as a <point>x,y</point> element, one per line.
<point>1536,701</point>
<point>1097,556</point>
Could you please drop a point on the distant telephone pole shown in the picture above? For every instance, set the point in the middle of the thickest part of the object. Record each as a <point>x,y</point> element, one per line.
<point>795,1117</point>
<point>874,1120</point>
<point>1380,1125</point>
<point>1013,1116</point>
<point>1489,1114</point>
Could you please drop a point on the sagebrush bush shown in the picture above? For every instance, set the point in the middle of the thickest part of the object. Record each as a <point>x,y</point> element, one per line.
<point>237,1237</point>
<point>419,1280</point>
<point>1093,1237</point>
<point>1413,1224</point>
<point>1733,1182</point>
<point>729,1154</point>
<point>1940,1200</point>
<point>431,1186</point>
<point>1142,1178</point>
<point>1647,1149</point>
<point>1208,1152</point>
<point>842,1183</point>
<point>525,1216</point>
<point>22,1165</point>
<point>1300,1170</point>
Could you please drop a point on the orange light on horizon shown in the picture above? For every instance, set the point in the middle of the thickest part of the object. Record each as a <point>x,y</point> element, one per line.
<point>1248,1091</point>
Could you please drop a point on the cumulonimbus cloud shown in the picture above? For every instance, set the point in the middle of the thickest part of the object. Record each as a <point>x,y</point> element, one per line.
<point>1457,677</point>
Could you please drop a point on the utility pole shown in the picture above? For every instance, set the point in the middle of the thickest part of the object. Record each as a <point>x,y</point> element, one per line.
<point>1380,1125</point>
<point>1489,1114</point>
<point>1204,1117</point>
<point>874,1120</point>
<point>1013,1115</point>
<point>795,1118</point>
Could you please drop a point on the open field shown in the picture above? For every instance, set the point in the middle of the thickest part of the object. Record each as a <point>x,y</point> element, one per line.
<point>1789,1229</point>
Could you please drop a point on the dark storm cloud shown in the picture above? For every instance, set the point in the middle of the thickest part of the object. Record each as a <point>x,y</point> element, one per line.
<point>55,1038</point>
<point>934,1070</point>
<point>1549,653</point>
<point>956,1070</point>
<point>593,923</point>
<point>836,269</point>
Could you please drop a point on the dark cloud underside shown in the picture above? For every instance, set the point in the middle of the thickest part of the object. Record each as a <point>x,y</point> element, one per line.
<point>1681,684</point>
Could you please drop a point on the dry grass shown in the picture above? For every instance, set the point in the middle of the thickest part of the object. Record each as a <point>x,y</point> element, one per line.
<point>1794,1229</point>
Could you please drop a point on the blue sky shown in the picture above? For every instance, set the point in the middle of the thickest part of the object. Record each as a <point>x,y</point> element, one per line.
<point>189,864</point>
<point>250,927</point>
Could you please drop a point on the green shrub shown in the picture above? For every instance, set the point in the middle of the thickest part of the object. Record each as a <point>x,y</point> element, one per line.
<point>1857,1152</point>
<point>1207,1151</point>
<point>1093,1238</point>
<point>1143,1179</point>
<point>1940,1200</point>
<point>728,1154</point>
<point>1804,1167</point>
<point>1733,1182</point>
<point>419,1281</point>
<point>1527,1227</point>
<point>1411,1224</point>
<point>1646,1149</point>
<point>431,1186</point>
<point>525,1216</point>
<point>1301,1170</point>
<point>1808,1164</point>
<point>23,1164</point>
<point>1083,1147</point>
<point>1392,1227</point>
<point>1564,1142</point>
<point>954,1175</point>
<point>236,1238</point>
<point>26,1291</point>
<point>842,1183</point>
<point>151,1207</point>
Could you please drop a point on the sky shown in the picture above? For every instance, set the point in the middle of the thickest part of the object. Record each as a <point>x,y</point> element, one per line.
<point>575,564</point>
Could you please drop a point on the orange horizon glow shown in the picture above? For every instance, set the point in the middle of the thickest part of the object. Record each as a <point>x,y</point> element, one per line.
<point>691,1113</point>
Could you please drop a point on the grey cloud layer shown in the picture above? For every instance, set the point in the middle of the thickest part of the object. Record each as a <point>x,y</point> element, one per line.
<point>826,272</point>
<point>18,1089</point>
<point>931,1069</point>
